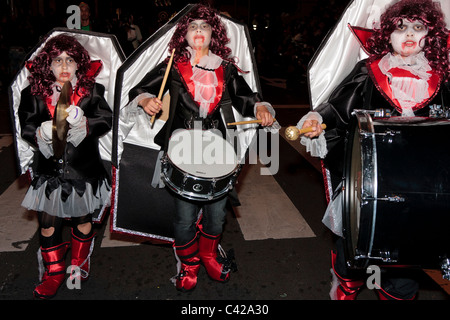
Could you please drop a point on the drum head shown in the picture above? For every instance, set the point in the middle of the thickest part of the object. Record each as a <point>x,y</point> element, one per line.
<point>202,153</point>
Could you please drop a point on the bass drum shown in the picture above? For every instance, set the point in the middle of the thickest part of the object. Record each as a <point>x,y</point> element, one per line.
<point>396,208</point>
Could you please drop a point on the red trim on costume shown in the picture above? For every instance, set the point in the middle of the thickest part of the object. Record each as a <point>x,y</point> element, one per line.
<point>382,84</point>
<point>50,107</point>
<point>28,65</point>
<point>185,71</point>
<point>325,181</point>
<point>362,35</point>
<point>74,101</point>
<point>76,97</point>
<point>94,69</point>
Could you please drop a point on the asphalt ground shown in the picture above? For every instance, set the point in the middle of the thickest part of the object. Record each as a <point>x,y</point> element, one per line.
<point>286,275</point>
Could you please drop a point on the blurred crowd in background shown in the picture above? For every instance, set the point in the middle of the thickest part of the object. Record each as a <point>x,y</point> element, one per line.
<point>284,39</point>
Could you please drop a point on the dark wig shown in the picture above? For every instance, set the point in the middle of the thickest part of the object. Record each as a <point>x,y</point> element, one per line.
<point>42,77</point>
<point>219,37</point>
<point>431,15</point>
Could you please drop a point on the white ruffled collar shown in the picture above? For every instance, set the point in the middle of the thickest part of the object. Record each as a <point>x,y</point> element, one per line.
<point>210,61</point>
<point>418,65</point>
<point>408,91</point>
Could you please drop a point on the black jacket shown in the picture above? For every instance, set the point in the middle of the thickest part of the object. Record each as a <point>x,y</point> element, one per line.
<point>182,104</point>
<point>81,162</point>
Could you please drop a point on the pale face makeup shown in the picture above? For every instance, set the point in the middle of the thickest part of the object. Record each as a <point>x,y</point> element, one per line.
<point>408,38</point>
<point>198,36</point>
<point>64,68</point>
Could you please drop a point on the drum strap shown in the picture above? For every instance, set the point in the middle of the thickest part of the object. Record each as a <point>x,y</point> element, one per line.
<point>226,104</point>
<point>368,90</point>
<point>175,85</point>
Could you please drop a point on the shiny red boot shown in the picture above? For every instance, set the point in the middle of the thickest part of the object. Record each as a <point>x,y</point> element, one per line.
<point>186,280</point>
<point>55,269</point>
<point>384,295</point>
<point>81,256</point>
<point>343,289</point>
<point>217,267</point>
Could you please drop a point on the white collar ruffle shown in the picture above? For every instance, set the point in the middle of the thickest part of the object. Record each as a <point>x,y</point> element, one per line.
<point>205,80</point>
<point>408,91</point>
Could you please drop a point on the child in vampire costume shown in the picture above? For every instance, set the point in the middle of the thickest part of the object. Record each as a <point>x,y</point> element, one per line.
<point>407,70</point>
<point>201,77</point>
<point>75,184</point>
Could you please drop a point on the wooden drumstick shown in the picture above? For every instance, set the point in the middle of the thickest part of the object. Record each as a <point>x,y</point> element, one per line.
<point>292,132</point>
<point>245,122</point>
<point>166,75</point>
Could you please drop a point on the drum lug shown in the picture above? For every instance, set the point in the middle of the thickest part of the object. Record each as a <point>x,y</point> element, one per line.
<point>183,183</point>
<point>388,135</point>
<point>392,199</point>
<point>385,256</point>
<point>212,190</point>
<point>445,268</point>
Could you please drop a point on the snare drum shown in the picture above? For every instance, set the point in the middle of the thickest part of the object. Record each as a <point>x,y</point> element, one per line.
<point>199,164</point>
<point>396,207</point>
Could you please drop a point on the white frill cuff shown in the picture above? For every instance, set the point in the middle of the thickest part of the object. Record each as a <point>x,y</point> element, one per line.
<point>317,147</point>
<point>45,147</point>
<point>77,133</point>
<point>275,127</point>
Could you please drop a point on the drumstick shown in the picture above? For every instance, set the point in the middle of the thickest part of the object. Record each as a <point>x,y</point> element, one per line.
<point>292,132</point>
<point>166,75</point>
<point>245,122</point>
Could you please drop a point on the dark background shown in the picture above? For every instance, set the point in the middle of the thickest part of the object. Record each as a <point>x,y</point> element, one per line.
<point>285,34</point>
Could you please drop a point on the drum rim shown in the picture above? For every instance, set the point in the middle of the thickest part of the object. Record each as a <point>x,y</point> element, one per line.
<point>196,196</point>
<point>362,128</point>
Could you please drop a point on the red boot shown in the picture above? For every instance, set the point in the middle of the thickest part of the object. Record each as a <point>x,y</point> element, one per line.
<point>218,267</point>
<point>343,289</point>
<point>81,255</point>
<point>384,295</point>
<point>186,280</point>
<point>55,270</point>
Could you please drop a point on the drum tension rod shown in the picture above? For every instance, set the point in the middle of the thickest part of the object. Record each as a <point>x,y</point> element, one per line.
<point>387,135</point>
<point>386,198</point>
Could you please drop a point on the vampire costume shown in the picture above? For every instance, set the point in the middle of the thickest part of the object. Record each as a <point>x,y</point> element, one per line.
<point>60,114</point>
<point>210,92</point>
<point>399,62</point>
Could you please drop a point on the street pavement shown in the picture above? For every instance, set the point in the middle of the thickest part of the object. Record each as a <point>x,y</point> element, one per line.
<point>280,271</point>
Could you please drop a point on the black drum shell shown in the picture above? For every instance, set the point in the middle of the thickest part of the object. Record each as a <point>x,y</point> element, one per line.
<point>413,164</point>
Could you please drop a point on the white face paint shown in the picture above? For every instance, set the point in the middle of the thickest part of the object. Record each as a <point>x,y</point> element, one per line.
<point>408,38</point>
<point>199,35</point>
<point>64,68</point>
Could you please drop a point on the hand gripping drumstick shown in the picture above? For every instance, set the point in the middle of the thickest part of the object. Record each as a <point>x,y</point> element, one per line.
<point>166,75</point>
<point>292,132</point>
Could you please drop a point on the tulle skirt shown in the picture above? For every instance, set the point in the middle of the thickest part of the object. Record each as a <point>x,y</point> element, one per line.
<point>67,198</point>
